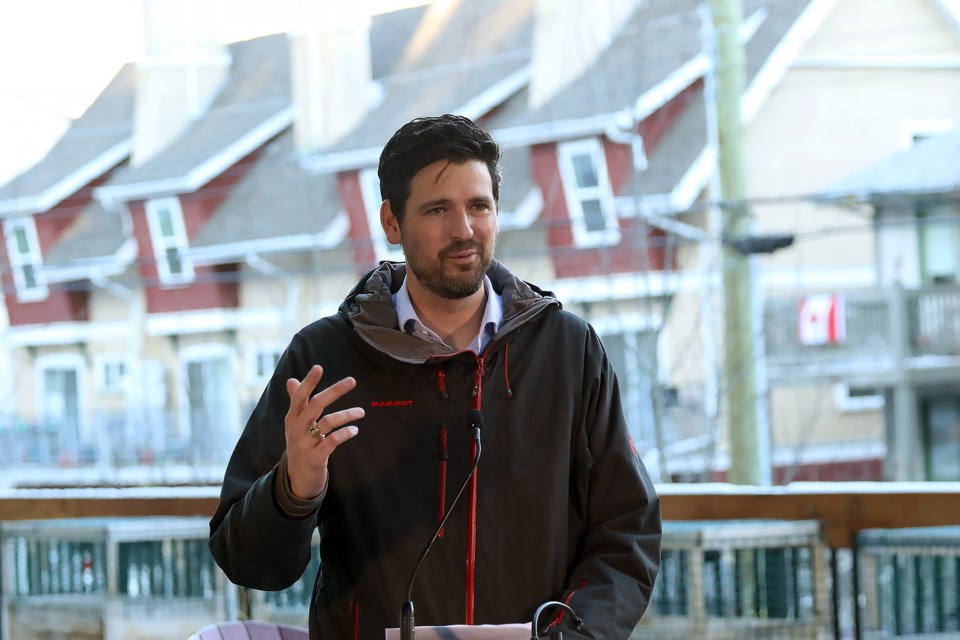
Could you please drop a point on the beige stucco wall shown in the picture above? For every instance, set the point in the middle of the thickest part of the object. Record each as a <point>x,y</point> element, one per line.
<point>805,414</point>
<point>821,124</point>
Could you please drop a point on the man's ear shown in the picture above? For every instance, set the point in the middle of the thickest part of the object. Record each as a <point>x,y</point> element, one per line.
<point>389,222</point>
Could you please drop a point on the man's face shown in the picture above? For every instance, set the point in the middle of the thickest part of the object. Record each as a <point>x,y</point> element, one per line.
<point>449,228</point>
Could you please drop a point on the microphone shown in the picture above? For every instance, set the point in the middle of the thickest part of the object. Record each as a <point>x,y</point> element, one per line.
<point>474,423</point>
<point>535,625</point>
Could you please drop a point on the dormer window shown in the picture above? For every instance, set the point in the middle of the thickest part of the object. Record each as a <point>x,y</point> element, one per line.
<point>370,192</point>
<point>586,185</point>
<point>23,247</point>
<point>168,235</point>
<point>939,237</point>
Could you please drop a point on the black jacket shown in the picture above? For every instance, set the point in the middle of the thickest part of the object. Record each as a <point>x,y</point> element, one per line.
<point>564,508</point>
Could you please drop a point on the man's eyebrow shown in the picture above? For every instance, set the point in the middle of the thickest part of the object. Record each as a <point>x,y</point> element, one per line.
<point>430,204</point>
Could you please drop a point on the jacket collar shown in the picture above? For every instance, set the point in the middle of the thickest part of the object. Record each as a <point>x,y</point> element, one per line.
<point>369,308</point>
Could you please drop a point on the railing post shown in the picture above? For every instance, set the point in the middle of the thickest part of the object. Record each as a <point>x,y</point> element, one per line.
<point>4,634</point>
<point>903,453</point>
<point>244,603</point>
<point>835,593</point>
<point>857,613</point>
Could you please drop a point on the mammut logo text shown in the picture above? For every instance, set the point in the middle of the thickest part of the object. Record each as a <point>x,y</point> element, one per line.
<point>392,403</point>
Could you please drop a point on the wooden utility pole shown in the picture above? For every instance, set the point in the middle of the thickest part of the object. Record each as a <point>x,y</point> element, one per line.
<point>743,407</point>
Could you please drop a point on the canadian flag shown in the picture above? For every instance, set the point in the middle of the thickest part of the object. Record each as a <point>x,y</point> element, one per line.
<point>822,320</point>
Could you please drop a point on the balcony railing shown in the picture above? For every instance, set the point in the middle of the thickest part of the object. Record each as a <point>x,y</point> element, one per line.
<point>840,512</point>
<point>118,439</point>
<point>887,330</point>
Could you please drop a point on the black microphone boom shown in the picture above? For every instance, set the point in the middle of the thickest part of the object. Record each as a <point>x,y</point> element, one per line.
<point>407,624</point>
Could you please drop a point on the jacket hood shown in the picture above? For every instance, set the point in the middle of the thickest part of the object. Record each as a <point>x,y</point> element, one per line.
<point>369,308</point>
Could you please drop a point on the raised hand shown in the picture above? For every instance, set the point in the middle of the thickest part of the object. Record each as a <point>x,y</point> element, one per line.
<point>312,436</point>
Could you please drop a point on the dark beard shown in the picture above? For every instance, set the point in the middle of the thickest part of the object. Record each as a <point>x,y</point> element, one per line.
<point>449,287</point>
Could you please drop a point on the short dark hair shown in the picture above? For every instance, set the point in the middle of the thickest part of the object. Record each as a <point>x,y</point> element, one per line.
<point>423,141</point>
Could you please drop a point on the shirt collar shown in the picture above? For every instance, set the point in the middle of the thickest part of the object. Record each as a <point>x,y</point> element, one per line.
<point>409,322</point>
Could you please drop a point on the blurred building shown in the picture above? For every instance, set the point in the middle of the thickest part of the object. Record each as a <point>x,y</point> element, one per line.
<point>215,198</point>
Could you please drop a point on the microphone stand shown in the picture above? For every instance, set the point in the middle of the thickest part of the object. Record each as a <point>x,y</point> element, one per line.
<point>535,625</point>
<point>407,624</point>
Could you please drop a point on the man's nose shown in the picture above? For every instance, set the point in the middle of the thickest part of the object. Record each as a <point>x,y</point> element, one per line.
<point>461,225</point>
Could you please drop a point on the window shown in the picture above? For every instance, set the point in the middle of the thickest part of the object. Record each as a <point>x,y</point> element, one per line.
<point>849,399</point>
<point>60,403</point>
<point>942,431</point>
<point>23,247</point>
<point>110,372</point>
<point>210,401</point>
<point>939,238</point>
<point>168,235</point>
<point>589,197</point>
<point>370,190</point>
<point>631,353</point>
<point>261,361</point>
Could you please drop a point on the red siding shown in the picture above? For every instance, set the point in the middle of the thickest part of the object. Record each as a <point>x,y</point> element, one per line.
<point>364,254</point>
<point>656,125</point>
<point>640,248</point>
<point>870,469</point>
<point>215,287</point>
<point>65,303</point>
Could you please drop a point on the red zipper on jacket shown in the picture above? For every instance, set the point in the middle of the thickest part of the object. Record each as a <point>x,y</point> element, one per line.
<point>472,504</point>
<point>355,615</point>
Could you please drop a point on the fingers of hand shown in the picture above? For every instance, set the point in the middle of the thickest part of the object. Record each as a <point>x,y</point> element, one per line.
<point>300,390</point>
<point>330,423</point>
<point>338,437</point>
<point>328,396</point>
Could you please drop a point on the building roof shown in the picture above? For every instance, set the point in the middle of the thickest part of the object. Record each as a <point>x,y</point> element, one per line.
<point>254,105</point>
<point>930,167</point>
<point>442,74</point>
<point>658,39</point>
<point>482,72</point>
<point>675,154</point>
<point>276,199</point>
<point>97,233</point>
<point>257,89</point>
<point>94,144</point>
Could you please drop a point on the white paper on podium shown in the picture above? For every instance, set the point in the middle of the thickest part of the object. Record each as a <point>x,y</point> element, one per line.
<point>469,632</point>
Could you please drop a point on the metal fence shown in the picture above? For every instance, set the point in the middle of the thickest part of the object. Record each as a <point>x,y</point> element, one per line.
<point>732,580</point>
<point>159,438</point>
<point>838,564</point>
<point>95,578</point>
<point>910,581</point>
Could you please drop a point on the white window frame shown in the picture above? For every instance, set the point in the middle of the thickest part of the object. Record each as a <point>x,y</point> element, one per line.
<point>73,361</point>
<point>938,222</point>
<point>116,380</point>
<point>256,352</point>
<point>370,194</point>
<point>177,241</point>
<point>32,258</point>
<point>845,403</point>
<point>630,325</point>
<point>575,195</point>
<point>199,353</point>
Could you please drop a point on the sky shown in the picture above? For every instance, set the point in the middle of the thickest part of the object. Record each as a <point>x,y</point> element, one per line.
<point>59,54</point>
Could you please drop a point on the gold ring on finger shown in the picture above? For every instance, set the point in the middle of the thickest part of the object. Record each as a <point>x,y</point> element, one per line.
<point>315,432</point>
